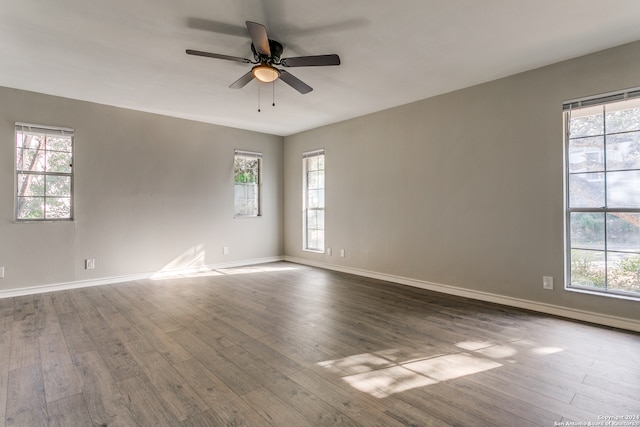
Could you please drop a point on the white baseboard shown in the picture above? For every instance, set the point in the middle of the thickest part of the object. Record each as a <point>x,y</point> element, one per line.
<point>556,310</point>
<point>132,277</point>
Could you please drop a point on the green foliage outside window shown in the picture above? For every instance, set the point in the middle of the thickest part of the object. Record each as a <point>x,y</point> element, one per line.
<point>247,170</point>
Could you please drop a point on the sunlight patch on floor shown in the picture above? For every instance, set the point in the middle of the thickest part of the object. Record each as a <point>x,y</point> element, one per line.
<point>387,381</point>
<point>381,376</point>
<point>386,372</point>
<point>191,263</point>
<point>546,350</point>
<point>504,351</point>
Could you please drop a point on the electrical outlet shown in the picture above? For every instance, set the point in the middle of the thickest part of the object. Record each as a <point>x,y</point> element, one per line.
<point>342,253</point>
<point>329,251</point>
<point>547,282</point>
<point>225,250</point>
<point>89,264</point>
<point>1,272</point>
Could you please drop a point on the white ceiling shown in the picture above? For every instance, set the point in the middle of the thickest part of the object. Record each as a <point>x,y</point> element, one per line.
<point>131,53</point>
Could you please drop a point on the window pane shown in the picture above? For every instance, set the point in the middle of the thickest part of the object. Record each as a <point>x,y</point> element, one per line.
<point>320,218</point>
<point>30,185</point>
<point>315,180</point>
<point>30,208</point>
<point>59,143</point>
<point>320,240</point>
<point>252,191</point>
<point>312,163</point>
<point>623,189</point>
<point>58,186</point>
<point>588,268</point>
<point>623,120</point>
<point>586,154</point>
<point>58,207</point>
<point>316,199</point>
<point>315,240</point>
<point>587,230</point>
<point>312,219</point>
<point>246,200</point>
<point>252,207</point>
<point>241,207</point>
<point>623,151</point>
<point>58,162</point>
<point>246,169</point>
<point>623,272</point>
<point>31,160</point>
<point>586,190</point>
<point>27,140</point>
<point>311,239</point>
<point>587,125</point>
<point>623,231</point>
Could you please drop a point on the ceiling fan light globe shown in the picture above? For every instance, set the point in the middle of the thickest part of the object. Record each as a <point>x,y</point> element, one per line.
<point>265,73</point>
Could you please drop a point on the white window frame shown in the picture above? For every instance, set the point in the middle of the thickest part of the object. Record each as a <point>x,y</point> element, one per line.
<point>241,190</point>
<point>313,202</point>
<point>600,261</point>
<point>43,174</point>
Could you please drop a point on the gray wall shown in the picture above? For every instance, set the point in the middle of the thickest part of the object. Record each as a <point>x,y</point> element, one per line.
<point>463,189</point>
<point>151,193</point>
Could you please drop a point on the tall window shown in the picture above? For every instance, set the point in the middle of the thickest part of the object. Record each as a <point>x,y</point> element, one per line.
<point>313,200</point>
<point>603,194</point>
<point>247,181</point>
<point>44,173</point>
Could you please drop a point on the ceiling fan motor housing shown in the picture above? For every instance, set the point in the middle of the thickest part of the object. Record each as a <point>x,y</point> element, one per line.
<point>276,52</point>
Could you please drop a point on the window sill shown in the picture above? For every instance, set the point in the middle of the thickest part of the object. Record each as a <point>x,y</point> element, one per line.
<point>602,294</point>
<point>40,221</point>
<point>315,251</point>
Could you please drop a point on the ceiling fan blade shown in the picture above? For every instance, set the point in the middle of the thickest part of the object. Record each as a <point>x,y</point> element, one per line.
<point>242,81</point>
<point>217,56</point>
<point>295,82</point>
<point>311,61</point>
<point>258,33</point>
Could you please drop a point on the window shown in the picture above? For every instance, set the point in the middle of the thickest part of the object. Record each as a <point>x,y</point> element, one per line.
<point>247,180</point>
<point>313,200</point>
<point>603,194</point>
<point>44,173</point>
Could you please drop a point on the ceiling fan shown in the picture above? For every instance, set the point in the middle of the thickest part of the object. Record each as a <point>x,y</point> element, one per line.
<point>266,55</point>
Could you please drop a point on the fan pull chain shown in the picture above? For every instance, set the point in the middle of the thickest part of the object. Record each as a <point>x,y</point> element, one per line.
<point>259,97</point>
<point>273,91</point>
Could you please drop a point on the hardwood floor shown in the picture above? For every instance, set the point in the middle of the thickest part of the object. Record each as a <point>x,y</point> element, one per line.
<point>289,345</point>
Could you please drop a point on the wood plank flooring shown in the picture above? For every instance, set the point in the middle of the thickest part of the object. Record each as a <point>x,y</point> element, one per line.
<point>288,345</point>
